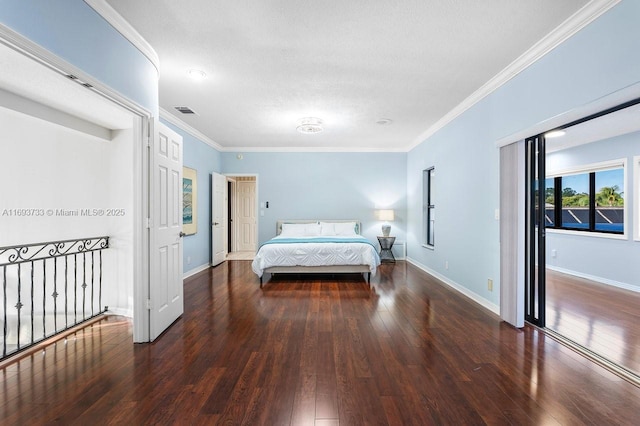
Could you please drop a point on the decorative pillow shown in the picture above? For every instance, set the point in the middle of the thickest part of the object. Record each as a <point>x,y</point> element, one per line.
<point>346,229</point>
<point>300,230</point>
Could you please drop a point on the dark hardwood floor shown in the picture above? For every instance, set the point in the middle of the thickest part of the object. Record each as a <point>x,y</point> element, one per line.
<point>317,350</point>
<point>600,317</point>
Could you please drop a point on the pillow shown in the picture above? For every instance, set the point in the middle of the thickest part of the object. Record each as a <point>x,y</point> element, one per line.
<point>297,230</point>
<point>346,229</point>
<point>327,229</point>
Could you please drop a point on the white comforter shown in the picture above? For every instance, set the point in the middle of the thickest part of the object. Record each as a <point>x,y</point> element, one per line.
<point>319,253</point>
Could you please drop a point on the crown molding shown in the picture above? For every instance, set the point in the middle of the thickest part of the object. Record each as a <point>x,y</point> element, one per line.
<point>166,115</point>
<point>583,17</point>
<point>121,25</point>
<point>311,149</point>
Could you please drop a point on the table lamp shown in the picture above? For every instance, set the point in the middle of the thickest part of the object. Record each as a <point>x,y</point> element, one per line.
<point>386,216</point>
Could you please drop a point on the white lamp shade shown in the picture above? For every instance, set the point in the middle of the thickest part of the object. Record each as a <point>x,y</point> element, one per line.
<point>386,215</point>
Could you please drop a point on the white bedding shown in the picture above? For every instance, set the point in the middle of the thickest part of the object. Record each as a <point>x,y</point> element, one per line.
<point>316,253</point>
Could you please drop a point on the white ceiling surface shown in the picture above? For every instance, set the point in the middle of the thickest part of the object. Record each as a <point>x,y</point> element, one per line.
<point>350,63</point>
<point>607,126</point>
<point>29,79</point>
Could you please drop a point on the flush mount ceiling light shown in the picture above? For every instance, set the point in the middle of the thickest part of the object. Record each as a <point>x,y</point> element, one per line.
<point>197,75</point>
<point>554,134</point>
<point>384,121</point>
<point>309,125</point>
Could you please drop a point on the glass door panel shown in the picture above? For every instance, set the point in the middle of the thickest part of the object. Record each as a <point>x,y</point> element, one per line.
<point>535,241</point>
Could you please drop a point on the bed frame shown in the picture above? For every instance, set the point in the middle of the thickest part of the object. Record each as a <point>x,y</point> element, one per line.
<point>329,269</point>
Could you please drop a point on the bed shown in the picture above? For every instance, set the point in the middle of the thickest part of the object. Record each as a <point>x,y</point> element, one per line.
<point>316,246</point>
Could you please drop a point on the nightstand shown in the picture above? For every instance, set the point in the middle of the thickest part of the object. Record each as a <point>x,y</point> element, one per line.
<point>385,249</point>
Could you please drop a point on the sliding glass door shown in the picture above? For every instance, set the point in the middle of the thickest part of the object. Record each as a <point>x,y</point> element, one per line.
<point>535,231</point>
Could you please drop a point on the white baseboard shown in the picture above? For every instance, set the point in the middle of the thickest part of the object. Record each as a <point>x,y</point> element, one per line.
<point>600,280</point>
<point>459,288</point>
<point>195,270</point>
<point>119,311</point>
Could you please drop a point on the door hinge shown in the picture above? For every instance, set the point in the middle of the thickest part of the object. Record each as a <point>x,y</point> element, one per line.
<point>149,305</point>
<point>149,223</point>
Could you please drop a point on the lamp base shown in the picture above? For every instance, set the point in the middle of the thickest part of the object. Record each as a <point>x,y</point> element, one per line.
<point>386,229</point>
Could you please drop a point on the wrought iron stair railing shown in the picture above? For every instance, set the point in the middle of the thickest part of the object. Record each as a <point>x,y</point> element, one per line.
<point>48,288</point>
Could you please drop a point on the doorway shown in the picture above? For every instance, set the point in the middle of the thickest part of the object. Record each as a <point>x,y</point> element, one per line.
<point>582,209</point>
<point>242,217</point>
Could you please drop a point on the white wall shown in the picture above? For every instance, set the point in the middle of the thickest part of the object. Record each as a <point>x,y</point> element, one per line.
<point>49,167</point>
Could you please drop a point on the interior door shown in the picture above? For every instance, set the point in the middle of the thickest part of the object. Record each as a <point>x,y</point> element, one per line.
<point>166,290</point>
<point>246,194</point>
<point>218,225</point>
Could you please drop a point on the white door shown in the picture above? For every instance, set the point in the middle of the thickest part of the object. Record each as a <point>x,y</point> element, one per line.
<point>246,215</point>
<point>218,225</point>
<point>165,287</point>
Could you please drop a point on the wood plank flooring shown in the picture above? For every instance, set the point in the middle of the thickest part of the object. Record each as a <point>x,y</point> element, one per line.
<point>316,350</point>
<point>600,317</point>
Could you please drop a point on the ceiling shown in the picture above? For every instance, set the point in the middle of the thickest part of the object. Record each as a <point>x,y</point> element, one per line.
<point>620,122</point>
<point>349,63</point>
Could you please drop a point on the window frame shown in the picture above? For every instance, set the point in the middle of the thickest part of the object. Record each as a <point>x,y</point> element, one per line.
<point>590,170</point>
<point>428,208</point>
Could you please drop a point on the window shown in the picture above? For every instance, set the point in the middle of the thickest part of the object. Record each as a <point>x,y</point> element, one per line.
<point>428,208</point>
<point>574,201</point>
<point>636,196</point>
<point>590,199</point>
<point>609,200</point>
<point>550,202</point>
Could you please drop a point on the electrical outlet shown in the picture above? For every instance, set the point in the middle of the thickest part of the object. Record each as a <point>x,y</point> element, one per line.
<point>490,284</point>
<point>188,260</point>
<point>554,253</point>
<point>446,264</point>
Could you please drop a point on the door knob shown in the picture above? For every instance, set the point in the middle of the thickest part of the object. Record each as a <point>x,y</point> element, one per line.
<point>215,223</point>
<point>182,234</point>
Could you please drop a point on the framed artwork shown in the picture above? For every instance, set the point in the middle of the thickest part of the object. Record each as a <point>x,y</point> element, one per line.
<point>189,201</point>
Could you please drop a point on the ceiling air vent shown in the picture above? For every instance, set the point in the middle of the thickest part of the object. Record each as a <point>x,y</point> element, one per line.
<point>185,110</point>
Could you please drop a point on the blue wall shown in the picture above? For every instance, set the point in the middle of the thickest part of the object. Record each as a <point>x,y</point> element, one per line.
<point>73,31</point>
<point>205,160</point>
<point>604,259</point>
<point>326,186</point>
<point>601,59</point>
